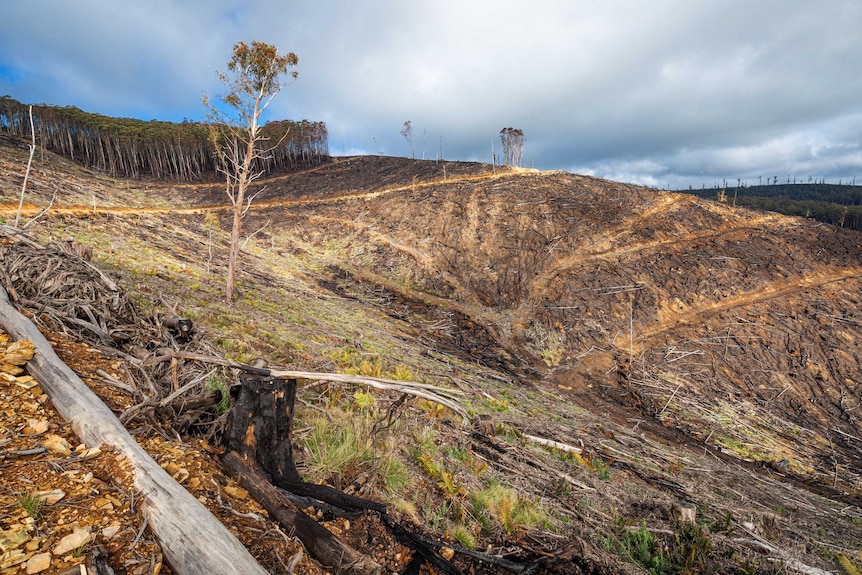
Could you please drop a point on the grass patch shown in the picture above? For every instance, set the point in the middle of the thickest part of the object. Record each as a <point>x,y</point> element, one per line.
<point>687,552</point>
<point>31,504</point>
<point>497,504</point>
<point>341,448</point>
<point>463,534</point>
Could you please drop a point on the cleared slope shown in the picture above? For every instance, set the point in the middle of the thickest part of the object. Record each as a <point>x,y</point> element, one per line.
<point>739,327</point>
<point>533,291</point>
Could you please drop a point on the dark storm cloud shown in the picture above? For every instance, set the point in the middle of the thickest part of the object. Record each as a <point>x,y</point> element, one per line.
<point>660,92</point>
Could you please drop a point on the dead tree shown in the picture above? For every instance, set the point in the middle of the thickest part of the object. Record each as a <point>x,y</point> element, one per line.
<point>513,145</point>
<point>407,132</point>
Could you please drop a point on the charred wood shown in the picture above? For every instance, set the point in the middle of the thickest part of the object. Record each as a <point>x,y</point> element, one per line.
<point>325,547</point>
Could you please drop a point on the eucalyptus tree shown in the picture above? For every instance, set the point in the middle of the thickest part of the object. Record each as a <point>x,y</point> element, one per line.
<point>513,145</point>
<point>255,75</point>
<point>407,132</point>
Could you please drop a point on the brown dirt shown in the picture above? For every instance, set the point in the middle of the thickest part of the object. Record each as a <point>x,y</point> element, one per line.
<point>700,351</point>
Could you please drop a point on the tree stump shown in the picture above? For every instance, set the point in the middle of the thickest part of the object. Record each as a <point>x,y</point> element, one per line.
<point>260,455</point>
<point>684,513</point>
<point>259,430</point>
<point>259,446</point>
<point>260,424</point>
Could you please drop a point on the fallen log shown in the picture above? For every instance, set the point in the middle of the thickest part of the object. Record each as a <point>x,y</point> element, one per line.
<point>553,444</point>
<point>441,395</point>
<point>325,547</point>
<point>194,542</point>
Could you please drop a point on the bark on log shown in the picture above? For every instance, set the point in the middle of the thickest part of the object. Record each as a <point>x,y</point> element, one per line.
<point>194,542</point>
<point>204,400</point>
<point>325,547</point>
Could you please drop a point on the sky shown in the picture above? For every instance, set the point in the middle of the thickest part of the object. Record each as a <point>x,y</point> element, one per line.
<point>664,93</point>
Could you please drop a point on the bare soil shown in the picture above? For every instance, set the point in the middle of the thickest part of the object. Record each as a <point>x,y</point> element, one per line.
<point>694,350</point>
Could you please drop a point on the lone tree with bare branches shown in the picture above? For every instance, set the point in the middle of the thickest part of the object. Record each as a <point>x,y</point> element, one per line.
<point>513,145</point>
<point>407,132</point>
<point>255,76</point>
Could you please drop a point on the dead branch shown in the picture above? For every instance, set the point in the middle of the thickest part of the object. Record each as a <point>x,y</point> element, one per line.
<point>443,396</point>
<point>27,172</point>
<point>774,553</point>
<point>553,444</point>
<point>42,212</point>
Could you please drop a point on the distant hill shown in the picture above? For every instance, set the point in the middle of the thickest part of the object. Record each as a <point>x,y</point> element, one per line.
<point>174,151</point>
<point>837,204</point>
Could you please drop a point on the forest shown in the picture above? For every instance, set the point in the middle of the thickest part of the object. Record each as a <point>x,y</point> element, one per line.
<point>837,204</point>
<point>127,147</point>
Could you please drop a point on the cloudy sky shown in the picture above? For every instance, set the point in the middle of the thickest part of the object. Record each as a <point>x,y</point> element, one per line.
<point>667,93</point>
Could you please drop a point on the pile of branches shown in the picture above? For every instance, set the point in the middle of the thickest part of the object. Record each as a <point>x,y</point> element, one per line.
<point>63,292</point>
<point>66,292</point>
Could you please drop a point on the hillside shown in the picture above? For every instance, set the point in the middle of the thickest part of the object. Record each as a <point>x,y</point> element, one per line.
<point>690,350</point>
<point>837,204</point>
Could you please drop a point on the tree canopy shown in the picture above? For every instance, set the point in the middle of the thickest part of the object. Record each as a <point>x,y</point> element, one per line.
<point>134,148</point>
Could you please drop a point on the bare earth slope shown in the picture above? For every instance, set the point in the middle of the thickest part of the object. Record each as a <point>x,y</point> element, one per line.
<point>702,351</point>
<point>726,323</point>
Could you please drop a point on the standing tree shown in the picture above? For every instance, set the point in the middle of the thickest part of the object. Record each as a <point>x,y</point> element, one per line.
<point>27,173</point>
<point>254,77</point>
<point>513,145</point>
<point>407,132</point>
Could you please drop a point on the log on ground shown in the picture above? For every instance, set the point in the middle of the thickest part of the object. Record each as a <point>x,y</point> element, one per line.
<point>193,540</point>
<point>326,548</point>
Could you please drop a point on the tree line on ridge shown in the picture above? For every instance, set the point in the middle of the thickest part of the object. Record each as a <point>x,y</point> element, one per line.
<point>127,147</point>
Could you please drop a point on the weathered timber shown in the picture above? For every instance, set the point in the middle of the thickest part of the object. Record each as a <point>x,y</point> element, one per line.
<point>553,444</point>
<point>183,326</point>
<point>194,542</point>
<point>443,396</point>
<point>325,547</point>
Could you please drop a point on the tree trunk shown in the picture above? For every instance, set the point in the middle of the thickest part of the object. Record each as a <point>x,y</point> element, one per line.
<point>259,430</point>
<point>193,540</point>
<point>234,251</point>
